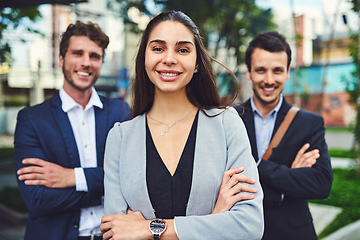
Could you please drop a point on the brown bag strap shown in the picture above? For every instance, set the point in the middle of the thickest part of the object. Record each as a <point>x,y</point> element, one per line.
<point>280,132</point>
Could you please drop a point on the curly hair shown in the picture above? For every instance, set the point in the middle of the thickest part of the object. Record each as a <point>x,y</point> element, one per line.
<point>90,30</point>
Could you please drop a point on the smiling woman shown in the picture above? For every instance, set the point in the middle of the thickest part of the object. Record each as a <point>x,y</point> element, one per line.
<point>177,164</point>
<point>170,57</point>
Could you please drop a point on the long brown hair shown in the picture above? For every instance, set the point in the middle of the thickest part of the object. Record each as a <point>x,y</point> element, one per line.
<point>201,90</point>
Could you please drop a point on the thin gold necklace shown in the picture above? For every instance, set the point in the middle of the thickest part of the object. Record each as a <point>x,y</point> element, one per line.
<point>170,125</point>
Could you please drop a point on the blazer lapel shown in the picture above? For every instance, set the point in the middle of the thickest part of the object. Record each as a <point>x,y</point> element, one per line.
<point>248,118</point>
<point>64,125</point>
<point>135,165</point>
<point>202,196</point>
<point>100,132</point>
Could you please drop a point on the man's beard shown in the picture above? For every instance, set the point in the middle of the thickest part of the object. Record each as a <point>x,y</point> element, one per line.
<point>264,101</point>
<point>67,77</point>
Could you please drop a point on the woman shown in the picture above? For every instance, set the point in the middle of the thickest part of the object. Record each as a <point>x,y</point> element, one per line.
<point>169,161</point>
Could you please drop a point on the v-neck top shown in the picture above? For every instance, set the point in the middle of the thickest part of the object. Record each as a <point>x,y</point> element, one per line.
<point>169,194</point>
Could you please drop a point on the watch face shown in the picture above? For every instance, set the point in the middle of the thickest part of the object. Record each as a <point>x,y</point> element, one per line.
<point>157,226</point>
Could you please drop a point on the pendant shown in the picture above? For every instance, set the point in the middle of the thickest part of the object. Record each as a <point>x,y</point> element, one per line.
<point>166,131</point>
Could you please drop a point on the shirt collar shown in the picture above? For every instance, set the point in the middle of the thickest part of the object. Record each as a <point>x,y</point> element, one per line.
<point>276,108</point>
<point>69,103</point>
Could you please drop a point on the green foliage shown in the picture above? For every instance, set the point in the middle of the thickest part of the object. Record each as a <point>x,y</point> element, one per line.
<point>344,193</point>
<point>121,8</point>
<point>342,153</point>
<point>16,101</point>
<point>356,6</point>
<point>353,85</point>
<point>12,18</point>
<point>337,129</point>
<point>11,198</point>
<point>6,152</point>
<point>225,23</point>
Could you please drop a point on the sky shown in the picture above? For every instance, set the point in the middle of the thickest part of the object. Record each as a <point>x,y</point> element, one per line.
<point>324,10</point>
<point>302,6</point>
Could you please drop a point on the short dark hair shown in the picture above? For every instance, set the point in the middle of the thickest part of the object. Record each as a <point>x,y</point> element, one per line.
<point>90,30</point>
<point>201,91</point>
<point>269,41</point>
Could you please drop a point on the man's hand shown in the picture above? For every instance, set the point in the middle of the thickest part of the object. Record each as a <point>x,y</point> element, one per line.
<point>303,159</point>
<point>46,173</point>
<point>233,190</point>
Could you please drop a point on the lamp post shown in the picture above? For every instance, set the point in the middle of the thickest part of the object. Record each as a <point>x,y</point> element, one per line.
<point>297,100</point>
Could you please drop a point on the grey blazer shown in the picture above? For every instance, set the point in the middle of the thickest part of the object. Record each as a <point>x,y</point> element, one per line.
<point>221,144</point>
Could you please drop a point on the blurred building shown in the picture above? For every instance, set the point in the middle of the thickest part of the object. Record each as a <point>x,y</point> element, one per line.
<point>323,64</point>
<point>35,73</point>
<point>321,58</point>
<point>321,82</point>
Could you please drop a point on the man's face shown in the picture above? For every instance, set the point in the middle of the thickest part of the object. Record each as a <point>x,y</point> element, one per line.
<point>268,74</point>
<point>82,63</point>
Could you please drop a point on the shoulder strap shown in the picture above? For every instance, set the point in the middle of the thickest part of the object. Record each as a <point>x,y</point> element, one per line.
<point>280,132</point>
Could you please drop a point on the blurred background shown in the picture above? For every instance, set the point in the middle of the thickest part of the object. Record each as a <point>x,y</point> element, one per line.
<point>323,34</point>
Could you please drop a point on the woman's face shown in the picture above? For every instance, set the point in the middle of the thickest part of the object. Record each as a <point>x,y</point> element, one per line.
<point>170,57</point>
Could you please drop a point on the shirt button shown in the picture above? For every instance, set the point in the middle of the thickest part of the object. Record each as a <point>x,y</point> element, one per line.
<point>83,123</point>
<point>85,146</point>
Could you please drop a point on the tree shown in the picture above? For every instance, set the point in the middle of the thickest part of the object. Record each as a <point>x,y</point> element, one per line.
<point>353,84</point>
<point>11,19</point>
<point>225,24</point>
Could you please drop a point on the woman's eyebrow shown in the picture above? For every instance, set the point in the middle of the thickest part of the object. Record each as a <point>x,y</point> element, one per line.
<point>184,42</point>
<point>158,41</point>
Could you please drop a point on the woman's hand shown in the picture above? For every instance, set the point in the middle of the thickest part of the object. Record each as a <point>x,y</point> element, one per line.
<point>232,190</point>
<point>121,226</point>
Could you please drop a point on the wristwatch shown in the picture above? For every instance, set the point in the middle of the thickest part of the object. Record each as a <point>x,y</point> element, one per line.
<point>157,227</point>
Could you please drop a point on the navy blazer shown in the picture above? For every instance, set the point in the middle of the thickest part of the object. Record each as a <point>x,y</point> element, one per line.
<point>287,190</point>
<point>44,131</point>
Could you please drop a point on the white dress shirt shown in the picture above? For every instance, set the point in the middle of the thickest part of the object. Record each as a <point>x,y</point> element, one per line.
<point>83,125</point>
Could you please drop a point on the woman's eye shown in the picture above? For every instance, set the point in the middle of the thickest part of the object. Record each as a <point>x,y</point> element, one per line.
<point>183,50</point>
<point>157,49</point>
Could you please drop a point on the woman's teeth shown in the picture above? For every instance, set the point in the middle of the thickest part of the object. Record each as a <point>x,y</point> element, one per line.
<point>169,74</point>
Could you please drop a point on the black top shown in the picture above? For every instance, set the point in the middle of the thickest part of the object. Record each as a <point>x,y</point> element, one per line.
<point>169,194</point>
